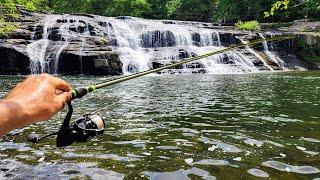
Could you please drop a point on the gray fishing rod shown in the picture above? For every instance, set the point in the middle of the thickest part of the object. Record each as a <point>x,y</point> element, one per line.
<point>82,91</point>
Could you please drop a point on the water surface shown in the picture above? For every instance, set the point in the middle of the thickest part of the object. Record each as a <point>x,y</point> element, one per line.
<point>182,126</point>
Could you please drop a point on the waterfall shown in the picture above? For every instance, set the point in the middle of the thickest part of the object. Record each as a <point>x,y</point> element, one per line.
<point>63,31</point>
<point>144,44</point>
<point>218,39</point>
<point>140,43</point>
<point>38,49</point>
<point>272,55</point>
<point>44,54</point>
<point>253,52</point>
<point>83,44</point>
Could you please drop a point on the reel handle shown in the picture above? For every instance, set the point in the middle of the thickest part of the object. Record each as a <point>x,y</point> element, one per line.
<point>64,129</point>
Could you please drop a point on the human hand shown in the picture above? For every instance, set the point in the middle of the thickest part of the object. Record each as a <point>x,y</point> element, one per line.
<point>36,99</point>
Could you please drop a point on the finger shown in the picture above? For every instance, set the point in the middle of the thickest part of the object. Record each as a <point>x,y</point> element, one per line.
<point>64,98</point>
<point>60,84</point>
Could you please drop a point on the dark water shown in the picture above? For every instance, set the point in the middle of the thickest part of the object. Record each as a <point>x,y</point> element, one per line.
<point>179,127</point>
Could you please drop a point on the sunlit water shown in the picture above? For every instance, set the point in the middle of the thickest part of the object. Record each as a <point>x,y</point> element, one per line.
<point>186,126</point>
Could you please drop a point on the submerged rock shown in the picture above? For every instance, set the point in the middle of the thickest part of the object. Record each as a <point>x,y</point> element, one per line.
<point>289,168</point>
<point>211,162</point>
<point>258,173</point>
<point>179,175</point>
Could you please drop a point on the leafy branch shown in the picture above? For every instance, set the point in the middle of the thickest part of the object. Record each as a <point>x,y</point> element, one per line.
<point>279,5</point>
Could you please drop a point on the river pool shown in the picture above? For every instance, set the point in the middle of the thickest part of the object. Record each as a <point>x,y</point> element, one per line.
<point>182,126</point>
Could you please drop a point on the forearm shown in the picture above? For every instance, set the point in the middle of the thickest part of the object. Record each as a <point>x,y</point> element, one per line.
<point>11,117</point>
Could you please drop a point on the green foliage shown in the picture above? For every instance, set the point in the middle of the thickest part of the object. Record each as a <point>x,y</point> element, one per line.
<point>6,28</point>
<point>221,11</point>
<point>158,9</point>
<point>249,25</point>
<point>30,5</point>
<point>311,9</point>
<point>103,7</point>
<point>136,8</point>
<point>194,10</point>
<point>173,6</point>
<point>8,12</point>
<point>279,5</point>
<point>71,6</point>
<point>294,10</point>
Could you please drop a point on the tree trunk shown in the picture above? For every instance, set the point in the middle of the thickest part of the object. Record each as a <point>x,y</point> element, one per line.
<point>50,3</point>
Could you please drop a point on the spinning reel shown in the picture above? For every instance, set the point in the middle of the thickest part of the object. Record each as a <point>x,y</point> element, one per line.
<point>83,129</point>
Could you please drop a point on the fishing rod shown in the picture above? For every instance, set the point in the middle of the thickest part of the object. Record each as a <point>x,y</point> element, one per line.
<point>92,125</point>
<point>82,91</point>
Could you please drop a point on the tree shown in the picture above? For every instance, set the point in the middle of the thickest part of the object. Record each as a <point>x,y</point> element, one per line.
<point>137,8</point>
<point>295,9</point>
<point>194,10</point>
<point>158,9</point>
<point>228,11</point>
<point>71,6</point>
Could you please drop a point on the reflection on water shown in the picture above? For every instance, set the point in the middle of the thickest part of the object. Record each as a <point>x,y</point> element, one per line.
<point>187,127</point>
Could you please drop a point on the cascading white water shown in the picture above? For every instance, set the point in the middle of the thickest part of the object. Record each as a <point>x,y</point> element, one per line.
<point>139,43</point>
<point>253,52</point>
<point>82,48</point>
<point>63,31</point>
<point>142,44</point>
<point>41,57</point>
<point>272,55</point>
<point>38,49</point>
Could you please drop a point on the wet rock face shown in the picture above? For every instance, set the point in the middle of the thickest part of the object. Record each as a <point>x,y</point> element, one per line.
<point>158,39</point>
<point>95,58</point>
<point>185,54</point>
<point>83,50</point>
<point>227,59</point>
<point>99,64</point>
<point>227,39</point>
<point>196,38</point>
<point>13,59</point>
<point>194,67</point>
<point>13,62</point>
